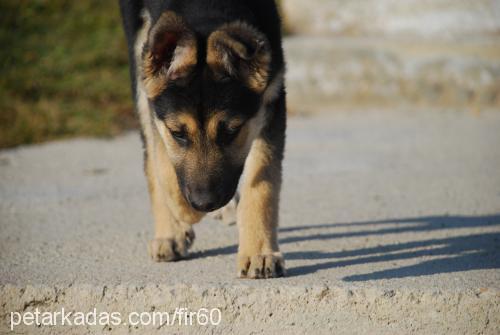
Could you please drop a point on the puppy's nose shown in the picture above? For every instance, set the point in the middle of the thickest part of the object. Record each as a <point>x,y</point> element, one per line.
<point>202,200</point>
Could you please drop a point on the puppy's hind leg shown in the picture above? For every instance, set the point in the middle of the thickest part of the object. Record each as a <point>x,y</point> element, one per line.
<point>227,214</point>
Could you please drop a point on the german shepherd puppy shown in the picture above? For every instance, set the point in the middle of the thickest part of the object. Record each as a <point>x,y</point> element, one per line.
<point>207,80</point>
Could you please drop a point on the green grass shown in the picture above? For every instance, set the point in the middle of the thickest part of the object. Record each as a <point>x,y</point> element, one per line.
<point>64,71</point>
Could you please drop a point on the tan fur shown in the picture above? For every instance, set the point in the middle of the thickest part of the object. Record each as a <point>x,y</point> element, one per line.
<point>184,58</point>
<point>252,69</point>
<point>172,215</point>
<point>257,214</point>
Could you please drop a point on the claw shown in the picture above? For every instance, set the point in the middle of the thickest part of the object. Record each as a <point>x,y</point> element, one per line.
<point>171,249</point>
<point>261,266</point>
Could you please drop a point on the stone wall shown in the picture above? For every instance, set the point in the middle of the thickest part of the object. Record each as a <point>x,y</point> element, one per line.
<point>440,53</point>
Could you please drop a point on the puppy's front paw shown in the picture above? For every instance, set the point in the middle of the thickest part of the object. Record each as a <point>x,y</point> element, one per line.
<point>171,249</point>
<point>261,266</point>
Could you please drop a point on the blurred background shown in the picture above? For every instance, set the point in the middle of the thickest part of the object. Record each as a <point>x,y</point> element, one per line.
<point>64,66</point>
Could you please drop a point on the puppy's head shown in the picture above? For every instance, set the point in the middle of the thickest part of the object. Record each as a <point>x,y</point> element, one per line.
<point>206,95</point>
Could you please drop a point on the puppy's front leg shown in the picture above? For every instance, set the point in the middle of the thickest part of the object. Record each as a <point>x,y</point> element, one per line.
<point>257,216</point>
<point>172,219</point>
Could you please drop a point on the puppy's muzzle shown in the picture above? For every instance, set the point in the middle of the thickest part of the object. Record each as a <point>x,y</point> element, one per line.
<point>203,199</point>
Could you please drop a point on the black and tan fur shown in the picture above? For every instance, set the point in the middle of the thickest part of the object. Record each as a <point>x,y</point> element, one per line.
<point>207,78</point>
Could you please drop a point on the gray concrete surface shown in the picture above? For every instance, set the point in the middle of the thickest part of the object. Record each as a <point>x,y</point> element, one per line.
<point>390,224</point>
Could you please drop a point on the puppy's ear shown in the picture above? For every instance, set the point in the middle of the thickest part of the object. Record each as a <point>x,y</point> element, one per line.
<point>240,51</point>
<point>169,54</point>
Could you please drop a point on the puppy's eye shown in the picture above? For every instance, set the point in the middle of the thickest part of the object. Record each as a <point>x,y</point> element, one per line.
<point>180,136</point>
<point>227,134</point>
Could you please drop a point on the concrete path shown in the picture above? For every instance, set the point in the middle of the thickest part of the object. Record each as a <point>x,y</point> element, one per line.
<point>390,224</point>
